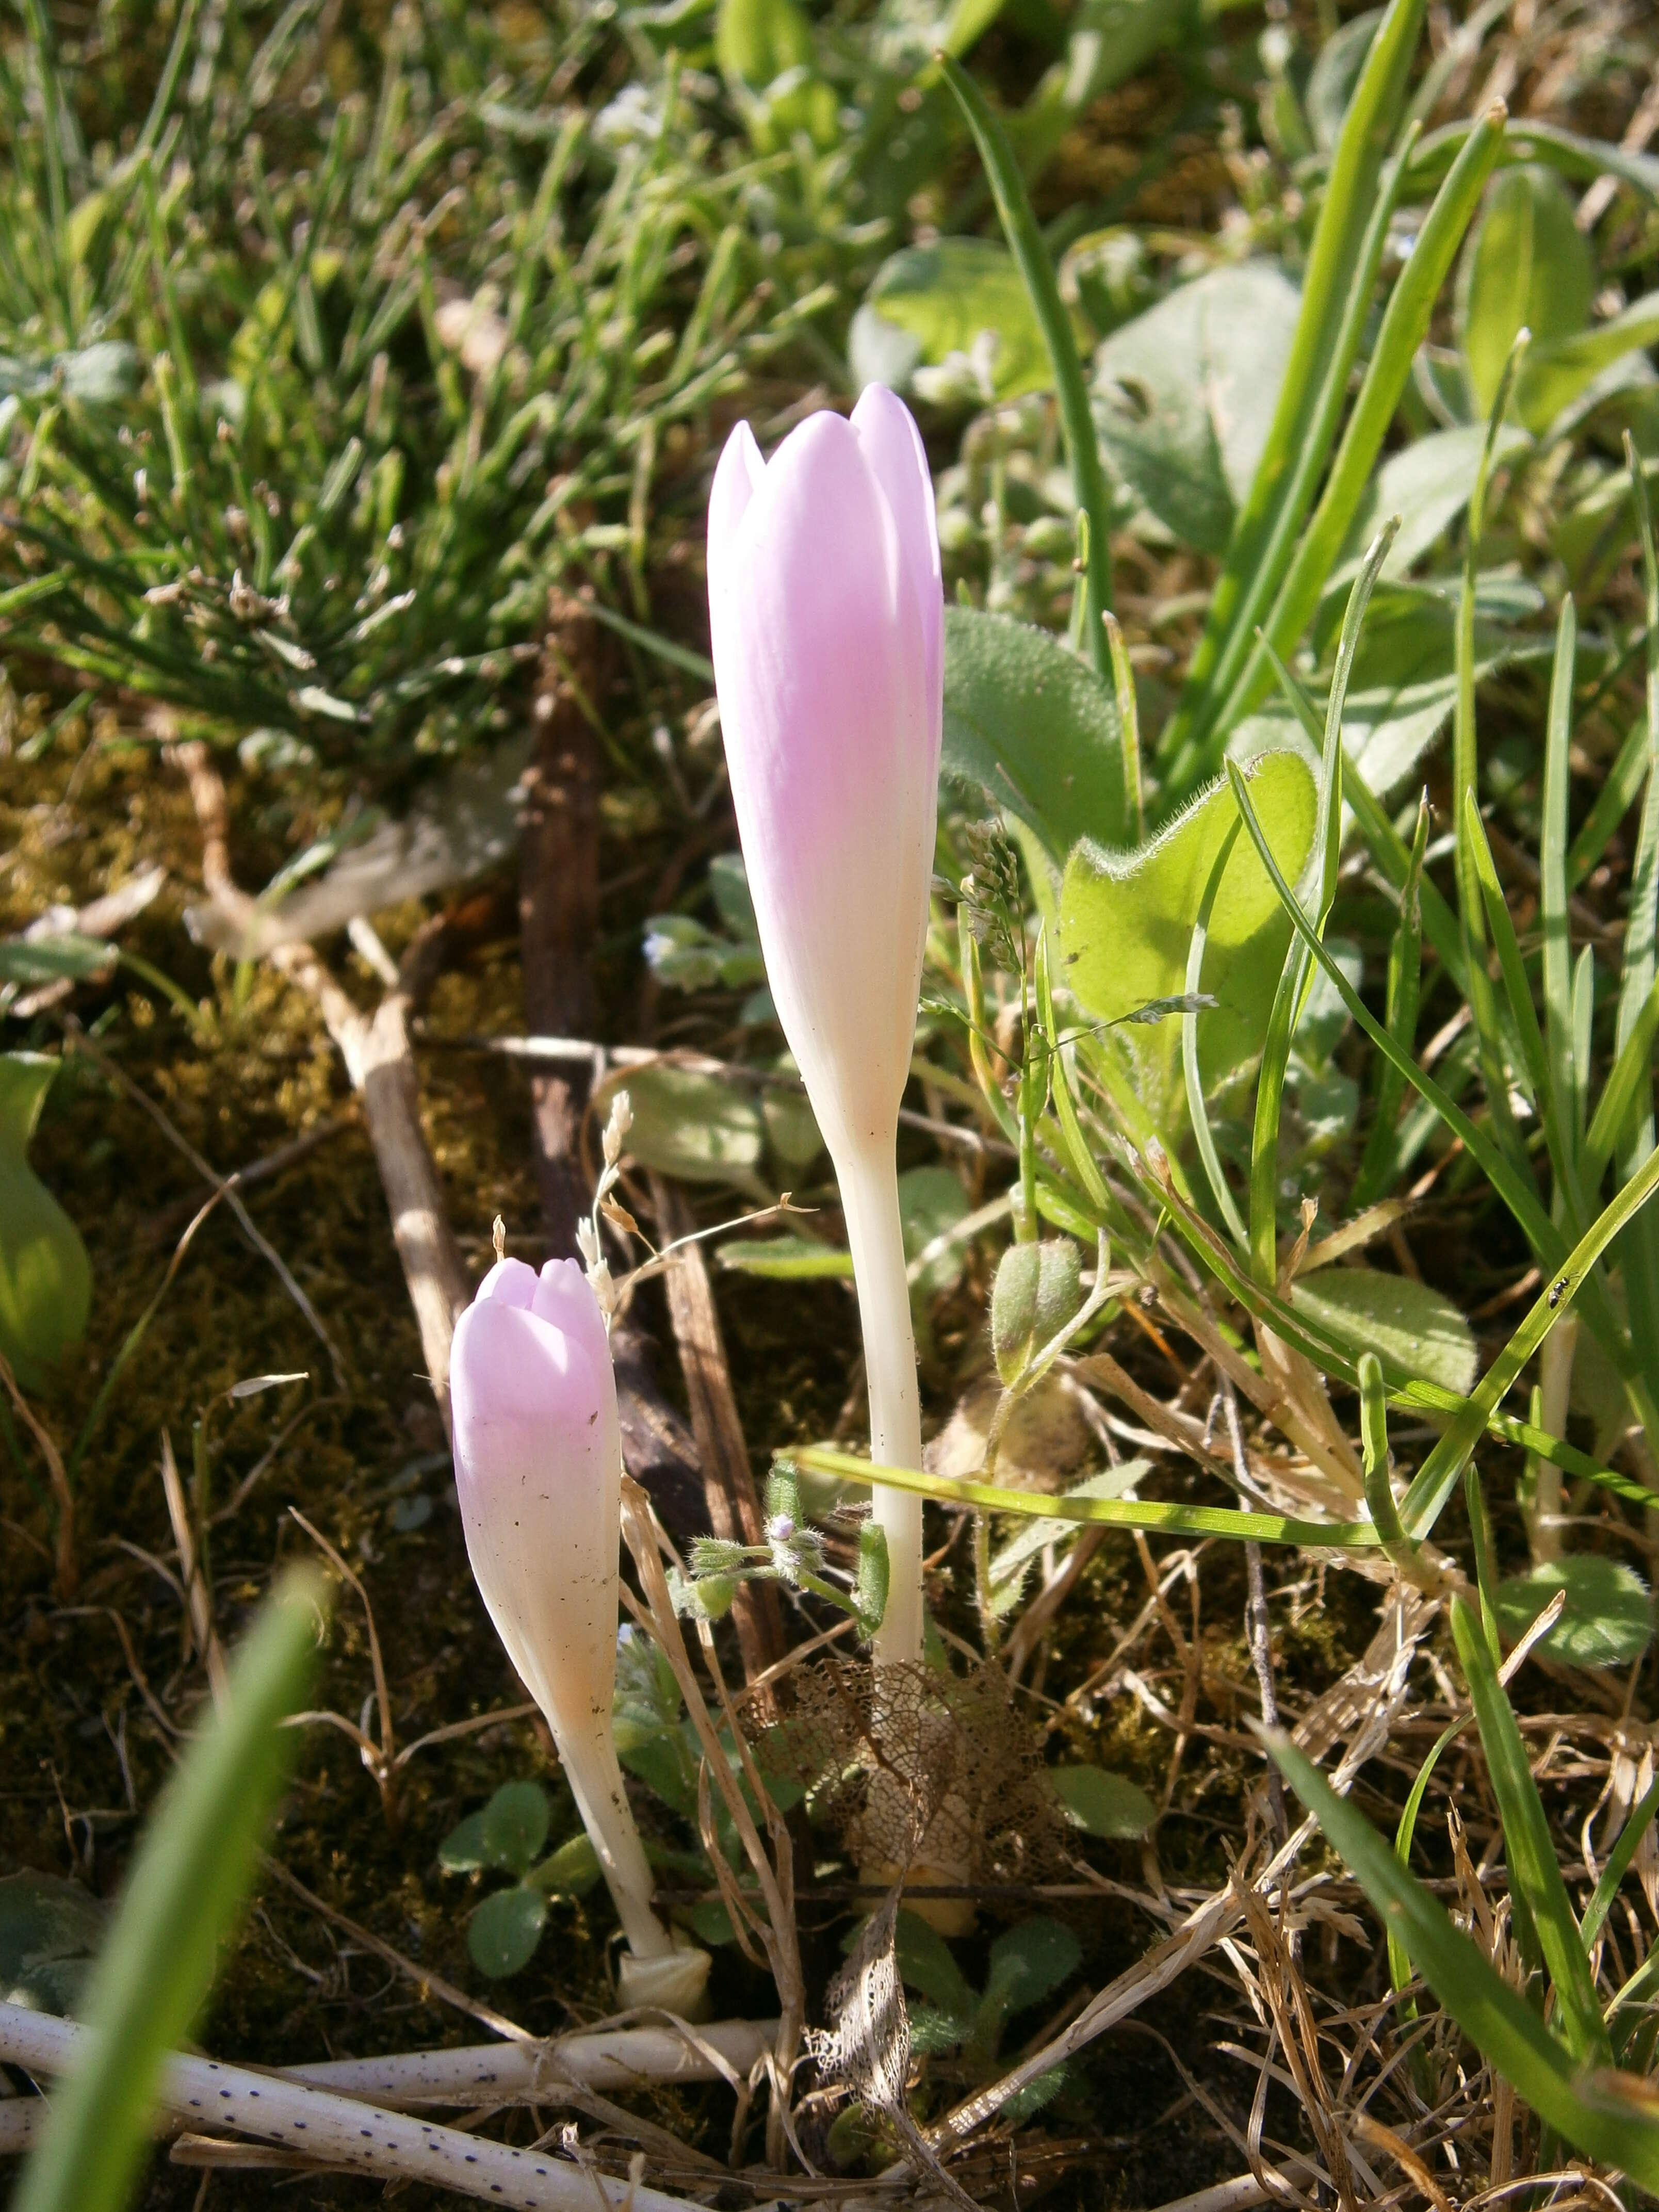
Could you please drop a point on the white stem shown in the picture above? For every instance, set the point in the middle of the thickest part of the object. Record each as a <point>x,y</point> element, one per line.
<point>869,1195</point>
<point>589,1759</point>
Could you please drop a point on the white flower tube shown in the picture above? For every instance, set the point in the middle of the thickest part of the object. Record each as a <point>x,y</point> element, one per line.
<point>539,1471</point>
<point>827,615</point>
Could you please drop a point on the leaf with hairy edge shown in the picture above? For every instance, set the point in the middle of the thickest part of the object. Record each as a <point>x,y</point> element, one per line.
<point>1126,921</point>
<point>1415,1332</point>
<point>1032,725</point>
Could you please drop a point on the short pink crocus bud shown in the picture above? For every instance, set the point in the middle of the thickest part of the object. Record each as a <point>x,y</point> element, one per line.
<point>538,1470</point>
<point>828,618</point>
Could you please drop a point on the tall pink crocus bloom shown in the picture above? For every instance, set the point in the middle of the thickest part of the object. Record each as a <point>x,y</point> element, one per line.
<point>539,1471</point>
<point>828,618</point>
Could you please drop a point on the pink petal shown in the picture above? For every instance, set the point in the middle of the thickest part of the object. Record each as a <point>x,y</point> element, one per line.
<point>823,664</point>
<point>737,479</point>
<point>509,1283</point>
<point>892,446</point>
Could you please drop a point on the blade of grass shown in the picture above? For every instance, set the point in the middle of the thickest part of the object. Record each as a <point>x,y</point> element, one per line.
<point>1522,1202</point>
<point>1404,326</point>
<point>1499,2022</point>
<point>1567,1269</point>
<point>1552,873</point>
<point>1638,1251</point>
<point>1529,1848</point>
<point>1388,847</point>
<point>1337,286</point>
<point>194,1870</point>
<point>1296,972</point>
<point>1031,257</point>
<point>1611,803</point>
<point>1404,989</point>
<point>1434,1480</point>
<point>1607,1889</point>
<point>1495,1061</point>
<point>1107,1512</point>
<point>1613,1125</point>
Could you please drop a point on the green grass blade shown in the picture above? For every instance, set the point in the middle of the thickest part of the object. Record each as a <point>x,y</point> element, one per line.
<point>1433,1481</point>
<point>1607,1889</point>
<point>1529,1848</point>
<point>1613,1123</point>
<point>1025,243</point>
<point>1293,979</point>
<point>1520,1201</point>
<point>1196,1110</point>
<point>1105,1512</point>
<point>1555,1108</point>
<point>1388,847</point>
<point>1638,1255</point>
<point>1611,803</point>
<point>1405,990</point>
<point>1380,1501</point>
<point>1404,324</point>
<point>1466,790</point>
<point>182,1895</point>
<point>1400,1965</point>
<point>1500,2022</point>
<point>1553,866</point>
<point>1336,294</point>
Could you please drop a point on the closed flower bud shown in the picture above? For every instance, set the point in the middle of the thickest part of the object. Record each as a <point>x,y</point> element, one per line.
<point>827,617</point>
<point>539,1471</point>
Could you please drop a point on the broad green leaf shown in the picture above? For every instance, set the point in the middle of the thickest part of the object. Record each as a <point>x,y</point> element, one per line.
<point>1602,2115</point>
<point>27,961</point>
<point>698,1128</point>
<point>182,1895</point>
<point>515,1826</point>
<point>928,303</point>
<point>1184,396</point>
<point>45,1277</point>
<point>1417,1332</point>
<point>1607,1620</point>
<point>462,1850</point>
<point>1032,725</point>
<point>792,1127</point>
<point>1126,919</point>
<point>503,1932</point>
<point>1104,1804</point>
<point>1527,264</point>
<point>925,1963</point>
<point>1404,685</point>
<point>48,1930</point>
<point>932,1200</point>
<point>1030,1961</point>
<point>1553,376</point>
<point>1427,484</point>
<point>570,1871</point>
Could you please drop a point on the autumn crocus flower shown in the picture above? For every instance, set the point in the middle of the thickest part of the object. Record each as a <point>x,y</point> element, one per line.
<point>827,615</point>
<point>538,1470</point>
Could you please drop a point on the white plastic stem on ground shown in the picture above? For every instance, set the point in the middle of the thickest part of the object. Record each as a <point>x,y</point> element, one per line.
<point>869,1195</point>
<point>341,2131</point>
